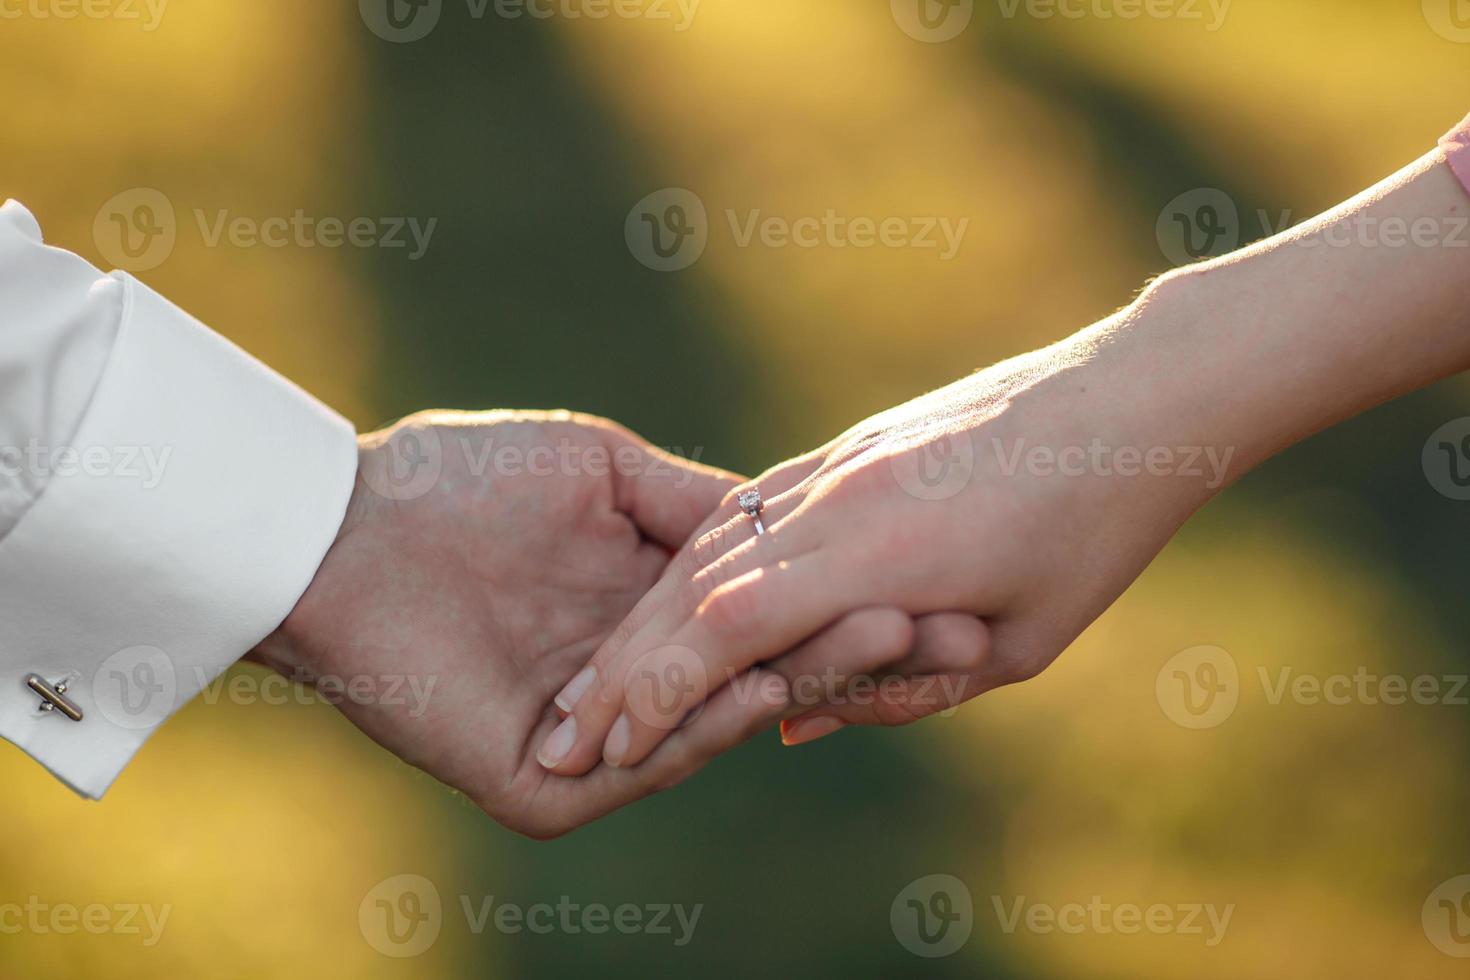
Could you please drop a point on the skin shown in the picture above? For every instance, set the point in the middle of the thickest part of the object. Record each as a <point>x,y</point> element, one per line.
<point>1241,357</point>
<point>496,579</point>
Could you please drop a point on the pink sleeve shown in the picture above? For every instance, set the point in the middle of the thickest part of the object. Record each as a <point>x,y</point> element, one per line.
<point>1456,146</point>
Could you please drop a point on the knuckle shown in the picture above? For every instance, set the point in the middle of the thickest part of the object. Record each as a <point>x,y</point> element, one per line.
<point>712,546</point>
<point>730,611</point>
<point>1024,668</point>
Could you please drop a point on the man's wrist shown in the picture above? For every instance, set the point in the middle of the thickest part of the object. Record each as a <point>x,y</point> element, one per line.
<point>287,649</point>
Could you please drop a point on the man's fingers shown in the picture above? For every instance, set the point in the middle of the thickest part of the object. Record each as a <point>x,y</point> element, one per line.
<point>891,701</point>
<point>855,648</point>
<point>666,496</point>
<point>721,531</point>
<point>948,664</point>
<point>951,642</point>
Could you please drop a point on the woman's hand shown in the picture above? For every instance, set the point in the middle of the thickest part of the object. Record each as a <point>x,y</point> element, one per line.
<point>1030,494</point>
<point>1033,493</point>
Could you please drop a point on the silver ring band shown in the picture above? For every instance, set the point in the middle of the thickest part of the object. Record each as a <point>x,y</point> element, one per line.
<point>750,502</point>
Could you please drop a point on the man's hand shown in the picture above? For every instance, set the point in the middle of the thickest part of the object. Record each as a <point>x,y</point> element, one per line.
<point>491,555</point>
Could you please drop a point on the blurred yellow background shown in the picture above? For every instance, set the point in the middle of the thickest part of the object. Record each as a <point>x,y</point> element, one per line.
<point>1060,141</point>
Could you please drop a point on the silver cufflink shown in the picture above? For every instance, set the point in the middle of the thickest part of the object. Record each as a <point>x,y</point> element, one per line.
<point>53,696</point>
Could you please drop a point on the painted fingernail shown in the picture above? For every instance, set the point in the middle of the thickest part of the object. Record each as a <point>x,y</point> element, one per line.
<point>617,742</point>
<point>576,687</point>
<point>809,729</point>
<point>558,743</point>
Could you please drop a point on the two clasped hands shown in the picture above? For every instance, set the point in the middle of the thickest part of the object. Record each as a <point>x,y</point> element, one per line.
<point>599,636</point>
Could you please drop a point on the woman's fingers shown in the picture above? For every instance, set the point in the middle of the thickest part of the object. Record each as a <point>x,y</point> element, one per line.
<point>857,646</point>
<point>723,530</point>
<point>727,721</point>
<point>754,618</point>
<point>594,699</point>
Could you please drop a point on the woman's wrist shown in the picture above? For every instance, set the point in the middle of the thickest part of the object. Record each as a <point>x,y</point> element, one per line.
<point>1258,350</point>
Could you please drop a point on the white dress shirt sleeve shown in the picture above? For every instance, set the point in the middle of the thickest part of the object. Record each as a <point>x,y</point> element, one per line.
<point>164,501</point>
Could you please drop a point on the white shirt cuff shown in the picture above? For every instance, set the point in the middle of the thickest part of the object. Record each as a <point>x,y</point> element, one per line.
<point>204,492</point>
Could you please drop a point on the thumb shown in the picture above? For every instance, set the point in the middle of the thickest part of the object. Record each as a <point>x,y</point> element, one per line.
<point>667,496</point>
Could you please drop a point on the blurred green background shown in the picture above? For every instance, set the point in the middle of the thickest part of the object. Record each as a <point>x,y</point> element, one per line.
<point>1061,140</point>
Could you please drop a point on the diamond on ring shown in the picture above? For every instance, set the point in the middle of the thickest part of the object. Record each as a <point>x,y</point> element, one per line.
<point>750,502</point>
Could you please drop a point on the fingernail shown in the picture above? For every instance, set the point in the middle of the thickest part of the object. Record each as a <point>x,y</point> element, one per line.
<point>809,729</point>
<point>558,743</point>
<point>576,687</point>
<point>617,742</point>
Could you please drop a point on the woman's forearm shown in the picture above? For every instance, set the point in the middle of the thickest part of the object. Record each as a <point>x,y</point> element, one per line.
<point>1259,349</point>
